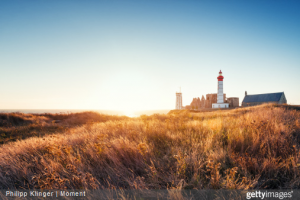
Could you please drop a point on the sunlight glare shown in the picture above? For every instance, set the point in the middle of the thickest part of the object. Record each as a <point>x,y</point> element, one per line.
<point>129,113</point>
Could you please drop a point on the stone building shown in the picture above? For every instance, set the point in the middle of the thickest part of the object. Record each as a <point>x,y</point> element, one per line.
<point>196,103</point>
<point>202,102</point>
<point>178,104</point>
<point>233,102</point>
<point>257,99</point>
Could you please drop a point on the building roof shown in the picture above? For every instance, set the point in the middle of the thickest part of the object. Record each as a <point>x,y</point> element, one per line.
<point>263,97</point>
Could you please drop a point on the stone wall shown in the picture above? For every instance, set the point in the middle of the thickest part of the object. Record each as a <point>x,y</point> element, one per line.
<point>282,99</point>
<point>233,102</point>
<point>196,103</point>
<point>257,103</point>
<point>204,103</point>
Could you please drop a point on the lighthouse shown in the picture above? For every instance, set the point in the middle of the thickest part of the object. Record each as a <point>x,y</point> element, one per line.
<point>220,97</point>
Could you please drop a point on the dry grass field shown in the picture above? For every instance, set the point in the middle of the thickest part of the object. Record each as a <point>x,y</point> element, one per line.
<point>246,148</point>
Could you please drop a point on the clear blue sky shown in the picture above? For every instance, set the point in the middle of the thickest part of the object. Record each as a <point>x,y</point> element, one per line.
<point>134,55</point>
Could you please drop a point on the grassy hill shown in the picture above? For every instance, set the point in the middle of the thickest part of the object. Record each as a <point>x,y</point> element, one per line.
<point>247,148</point>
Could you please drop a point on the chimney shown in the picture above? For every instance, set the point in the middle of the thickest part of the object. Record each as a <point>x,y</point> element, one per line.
<point>245,93</point>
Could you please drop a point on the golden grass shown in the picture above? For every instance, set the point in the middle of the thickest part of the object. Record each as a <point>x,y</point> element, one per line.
<point>255,147</point>
<point>18,126</point>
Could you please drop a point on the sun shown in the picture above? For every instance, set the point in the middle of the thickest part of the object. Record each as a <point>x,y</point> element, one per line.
<point>129,113</point>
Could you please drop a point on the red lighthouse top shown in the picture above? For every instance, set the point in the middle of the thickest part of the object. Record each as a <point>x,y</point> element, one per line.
<point>220,77</point>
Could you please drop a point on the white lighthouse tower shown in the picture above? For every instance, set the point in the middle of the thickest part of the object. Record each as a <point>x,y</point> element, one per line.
<point>178,100</point>
<point>220,98</point>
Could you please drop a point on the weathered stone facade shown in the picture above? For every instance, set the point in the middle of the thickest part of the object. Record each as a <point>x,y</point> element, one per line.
<point>233,102</point>
<point>196,103</point>
<point>204,103</point>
